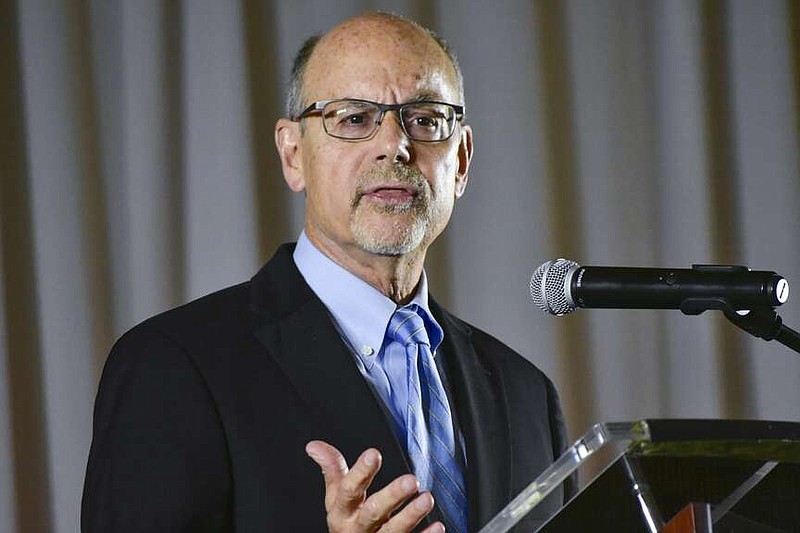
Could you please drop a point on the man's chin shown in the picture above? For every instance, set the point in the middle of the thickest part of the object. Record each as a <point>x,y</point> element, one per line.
<point>394,241</point>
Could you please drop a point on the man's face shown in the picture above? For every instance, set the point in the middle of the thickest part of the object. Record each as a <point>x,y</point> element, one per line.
<point>385,195</point>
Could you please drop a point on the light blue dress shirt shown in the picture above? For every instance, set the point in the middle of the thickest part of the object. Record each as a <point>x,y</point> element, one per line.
<point>361,313</point>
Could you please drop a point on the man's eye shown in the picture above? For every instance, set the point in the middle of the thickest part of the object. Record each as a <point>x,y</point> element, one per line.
<point>354,119</point>
<point>426,122</point>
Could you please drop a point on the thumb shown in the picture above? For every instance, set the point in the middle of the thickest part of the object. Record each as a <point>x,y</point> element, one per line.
<point>330,460</point>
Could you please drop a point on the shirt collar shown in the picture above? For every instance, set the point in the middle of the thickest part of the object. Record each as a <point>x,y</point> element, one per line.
<point>361,311</point>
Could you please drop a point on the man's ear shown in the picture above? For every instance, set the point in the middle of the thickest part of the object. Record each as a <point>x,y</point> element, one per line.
<point>464,158</point>
<point>287,140</point>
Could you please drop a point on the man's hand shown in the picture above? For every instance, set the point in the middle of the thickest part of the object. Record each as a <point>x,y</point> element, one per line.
<point>346,502</point>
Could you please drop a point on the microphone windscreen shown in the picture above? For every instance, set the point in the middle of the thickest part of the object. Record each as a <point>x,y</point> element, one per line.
<point>549,286</point>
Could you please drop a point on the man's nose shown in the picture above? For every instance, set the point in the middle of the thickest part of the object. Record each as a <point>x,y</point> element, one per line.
<point>393,143</point>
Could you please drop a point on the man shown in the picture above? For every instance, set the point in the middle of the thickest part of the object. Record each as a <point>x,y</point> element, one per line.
<point>207,415</point>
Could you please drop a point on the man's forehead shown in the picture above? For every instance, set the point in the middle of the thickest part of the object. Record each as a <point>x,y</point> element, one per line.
<point>363,54</point>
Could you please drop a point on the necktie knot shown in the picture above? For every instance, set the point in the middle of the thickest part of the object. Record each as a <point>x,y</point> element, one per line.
<point>407,327</point>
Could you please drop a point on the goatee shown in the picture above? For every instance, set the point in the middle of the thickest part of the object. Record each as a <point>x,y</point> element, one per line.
<point>408,230</point>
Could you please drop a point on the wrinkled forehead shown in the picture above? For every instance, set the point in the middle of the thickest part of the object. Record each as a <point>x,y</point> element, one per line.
<point>380,60</point>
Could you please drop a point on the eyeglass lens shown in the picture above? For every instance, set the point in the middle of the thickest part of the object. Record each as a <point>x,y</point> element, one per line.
<point>424,121</point>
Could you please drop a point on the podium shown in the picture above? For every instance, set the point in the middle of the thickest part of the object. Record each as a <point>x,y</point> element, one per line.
<point>674,476</point>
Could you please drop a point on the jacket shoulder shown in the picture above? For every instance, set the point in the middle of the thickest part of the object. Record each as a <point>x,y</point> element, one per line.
<point>225,306</point>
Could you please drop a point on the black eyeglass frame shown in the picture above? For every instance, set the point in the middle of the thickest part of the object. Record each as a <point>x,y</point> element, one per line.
<point>317,107</point>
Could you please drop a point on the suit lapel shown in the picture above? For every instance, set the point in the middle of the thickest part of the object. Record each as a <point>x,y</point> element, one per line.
<point>483,419</point>
<point>297,331</point>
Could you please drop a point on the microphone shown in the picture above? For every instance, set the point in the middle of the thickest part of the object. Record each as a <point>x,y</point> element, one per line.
<point>560,286</point>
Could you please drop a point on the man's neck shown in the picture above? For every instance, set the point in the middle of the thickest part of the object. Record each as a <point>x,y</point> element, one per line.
<point>395,276</point>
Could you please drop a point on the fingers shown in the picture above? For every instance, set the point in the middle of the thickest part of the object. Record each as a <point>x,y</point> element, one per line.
<point>378,507</point>
<point>346,490</point>
<point>353,486</point>
<point>411,515</point>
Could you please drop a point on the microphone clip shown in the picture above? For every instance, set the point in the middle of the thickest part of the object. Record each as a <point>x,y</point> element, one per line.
<point>763,322</point>
<point>695,306</point>
<point>760,321</point>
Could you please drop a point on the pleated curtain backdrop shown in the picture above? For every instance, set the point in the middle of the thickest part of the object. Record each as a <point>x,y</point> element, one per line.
<point>139,172</point>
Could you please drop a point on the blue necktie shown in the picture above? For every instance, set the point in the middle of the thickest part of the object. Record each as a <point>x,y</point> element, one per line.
<point>429,439</point>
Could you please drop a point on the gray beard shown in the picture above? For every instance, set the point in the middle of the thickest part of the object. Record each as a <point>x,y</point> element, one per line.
<point>407,236</point>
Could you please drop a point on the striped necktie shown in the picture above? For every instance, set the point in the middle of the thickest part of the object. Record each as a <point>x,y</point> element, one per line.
<point>430,441</point>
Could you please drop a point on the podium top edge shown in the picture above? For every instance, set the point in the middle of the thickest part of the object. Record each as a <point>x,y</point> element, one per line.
<point>675,430</point>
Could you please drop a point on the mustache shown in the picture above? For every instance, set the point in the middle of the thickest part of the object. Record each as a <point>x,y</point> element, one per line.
<point>396,174</point>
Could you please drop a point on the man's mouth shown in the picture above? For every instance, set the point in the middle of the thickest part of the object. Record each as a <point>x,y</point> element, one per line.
<point>391,194</point>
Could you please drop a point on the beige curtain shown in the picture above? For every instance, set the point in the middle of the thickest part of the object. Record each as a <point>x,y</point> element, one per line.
<point>138,172</point>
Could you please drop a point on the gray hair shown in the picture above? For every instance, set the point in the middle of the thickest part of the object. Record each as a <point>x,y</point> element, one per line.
<point>294,95</point>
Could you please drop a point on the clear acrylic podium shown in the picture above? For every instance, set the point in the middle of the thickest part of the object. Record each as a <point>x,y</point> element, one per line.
<point>674,476</point>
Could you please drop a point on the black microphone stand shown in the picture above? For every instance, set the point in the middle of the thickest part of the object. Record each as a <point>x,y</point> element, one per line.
<point>761,321</point>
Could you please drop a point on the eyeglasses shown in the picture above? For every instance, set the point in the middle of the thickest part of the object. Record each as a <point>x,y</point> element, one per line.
<point>355,120</point>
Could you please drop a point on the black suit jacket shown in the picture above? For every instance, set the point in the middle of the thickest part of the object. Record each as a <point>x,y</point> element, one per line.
<point>203,414</point>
